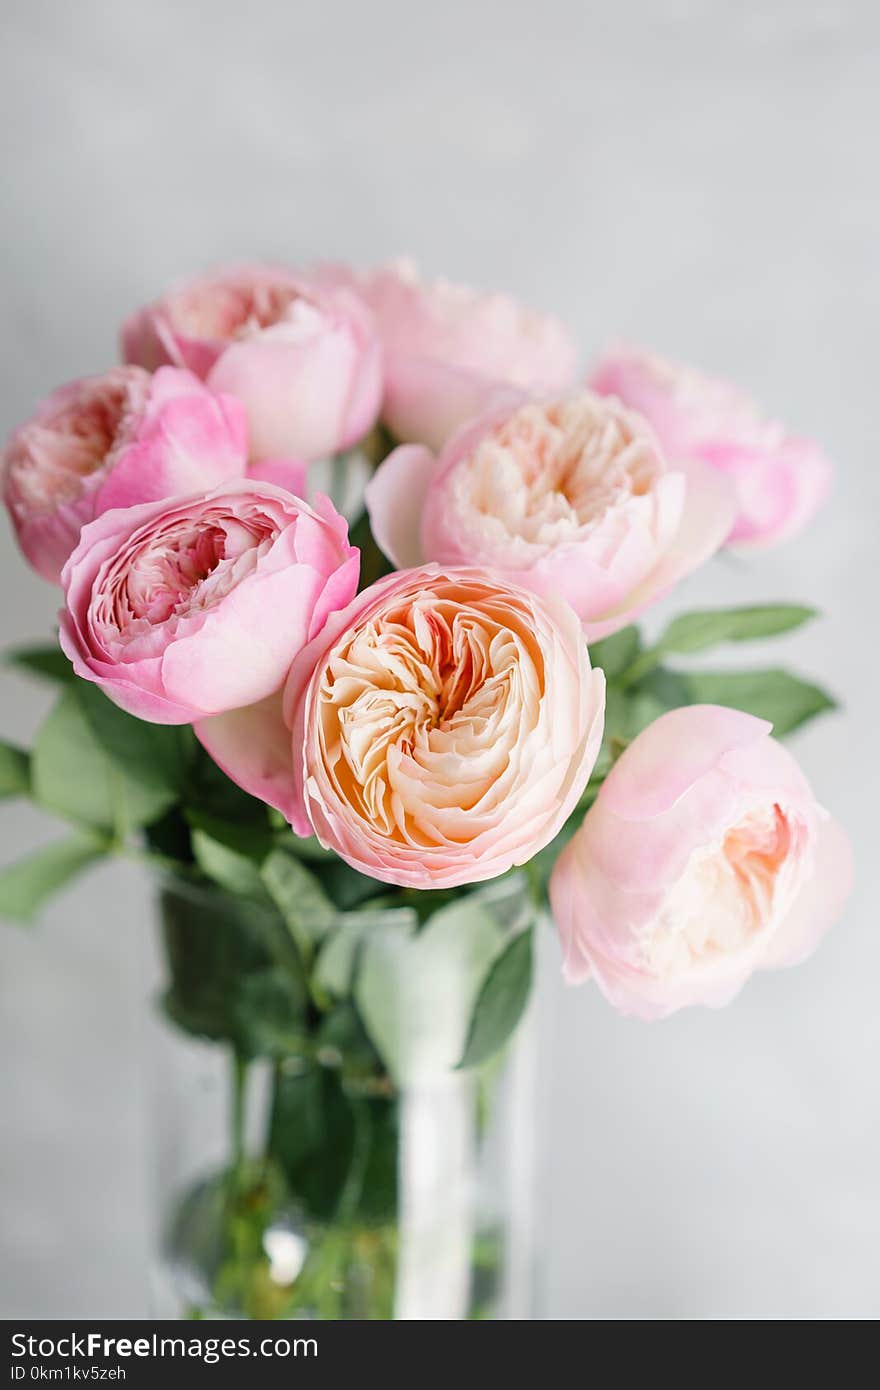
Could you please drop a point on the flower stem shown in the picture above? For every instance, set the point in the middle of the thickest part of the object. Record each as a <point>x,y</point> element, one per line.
<point>237,1116</point>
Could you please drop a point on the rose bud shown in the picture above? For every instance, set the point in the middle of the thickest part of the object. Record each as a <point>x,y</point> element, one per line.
<point>303,356</point>
<point>781,479</point>
<point>569,497</point>
<point>704,857</point>
<point>112,441</point>
<point>183,608</point>
<point>437,731</point>
<point>449,350</point>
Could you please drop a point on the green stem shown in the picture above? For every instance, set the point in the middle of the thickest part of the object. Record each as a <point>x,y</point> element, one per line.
<point>154,860</point>
<point>643,663</point>
<point>360,1152</point>
<point>237,1116</point>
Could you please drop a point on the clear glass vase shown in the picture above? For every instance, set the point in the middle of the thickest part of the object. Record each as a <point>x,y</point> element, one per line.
<point>295,1178</point>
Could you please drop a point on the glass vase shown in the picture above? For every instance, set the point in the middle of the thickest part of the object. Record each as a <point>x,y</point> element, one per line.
<point>295,1178</point>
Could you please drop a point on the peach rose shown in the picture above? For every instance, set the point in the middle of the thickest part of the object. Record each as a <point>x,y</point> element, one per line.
<point>112,441</point>
<point>182,608</point>
<point>705,857</point>
<point>450,349</point>
<point>781,479</point>
<point>303,356</point>
<point>569,497</point>
<point>438,730</point>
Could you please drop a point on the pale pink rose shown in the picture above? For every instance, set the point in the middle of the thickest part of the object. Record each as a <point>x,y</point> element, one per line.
<point>183,608</point>
<point>781,479</point>
<point>570,497</point>
<point>111,441</point>
<point>450,350</point>
<point>302,355</point>
<point>438,730</point>
<point>705,857</point>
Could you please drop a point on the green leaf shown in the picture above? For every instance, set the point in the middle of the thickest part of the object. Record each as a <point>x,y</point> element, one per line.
<point>75,775</point>
<point>209,790</point>
<point>232,857</point>
<point>416,994</point>
<point>335,967</point>
<point>215,945</point>
<point>309,849</point>
<point>15,770</point>
<point>664,688</point>
<point>782,698</point>
<point>299,898</point>
<point>27,885</point>
<point>693,632</point>
<point>614,654</point>
<point>311,1136</point>
<point>155,756</point>
<point>269,1010</point>
<point>501,1001</point>
<point>628,711</point>
<point>48,663</point>
<point>314,1138</point>
<point>232,869</point>
<point>247,839</point>
<point>345,886</point>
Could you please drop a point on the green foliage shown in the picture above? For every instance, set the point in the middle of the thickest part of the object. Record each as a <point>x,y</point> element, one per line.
<point>339,954</point>
<point>615,654</point>
<point>299,897</point>
<point>416,993</point>
<point>26,886</point>
<point>338,1152</point>
<point>229,855</point>
<point>99,767</point>
<point>501,1002</point>
<point>269,1013</point>
<point>694,632</point>
<point>209,791</point>
<point>225,983</point>
<point>47,663</point>
<point>783,698</point>
<point>346,887</point>
<point>15,770</point>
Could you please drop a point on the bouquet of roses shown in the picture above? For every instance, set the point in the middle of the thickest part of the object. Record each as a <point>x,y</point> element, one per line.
<point>363,760</point>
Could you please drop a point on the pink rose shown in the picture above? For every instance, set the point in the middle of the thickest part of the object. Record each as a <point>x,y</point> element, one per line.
<point>182,608</point>
<point>303,356</point>
<point>781,479</point>
<point>449,349</point>
<point>705,857</point>
<point>111,441</point>
<point>438,731</point>
<point>570,497</point>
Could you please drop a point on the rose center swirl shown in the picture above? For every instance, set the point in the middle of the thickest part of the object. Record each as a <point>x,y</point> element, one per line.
<point>423,707</point>
<point>180,570</point>
<point>554,473</point>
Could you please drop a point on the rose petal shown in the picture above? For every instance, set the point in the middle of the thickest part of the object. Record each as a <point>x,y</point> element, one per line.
<point>673,753</point>
<point>820,901</point>
<point>395,498</point>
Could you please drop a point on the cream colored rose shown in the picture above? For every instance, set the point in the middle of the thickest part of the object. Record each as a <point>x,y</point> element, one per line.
<point>439,730</point>
<point>572,497</point>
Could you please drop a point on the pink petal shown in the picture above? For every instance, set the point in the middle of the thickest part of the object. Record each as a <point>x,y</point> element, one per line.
<point>253,747</point>
<point>290,474</point>
<point>820,901</point>
<point>672,754</point>
<point>707,519</point>
<point>395,498</point>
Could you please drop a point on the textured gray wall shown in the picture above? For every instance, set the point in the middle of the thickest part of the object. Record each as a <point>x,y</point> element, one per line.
<point>696,175</point>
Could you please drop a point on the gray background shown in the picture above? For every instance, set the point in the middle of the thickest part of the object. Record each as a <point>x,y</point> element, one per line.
<point>698,176</point>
